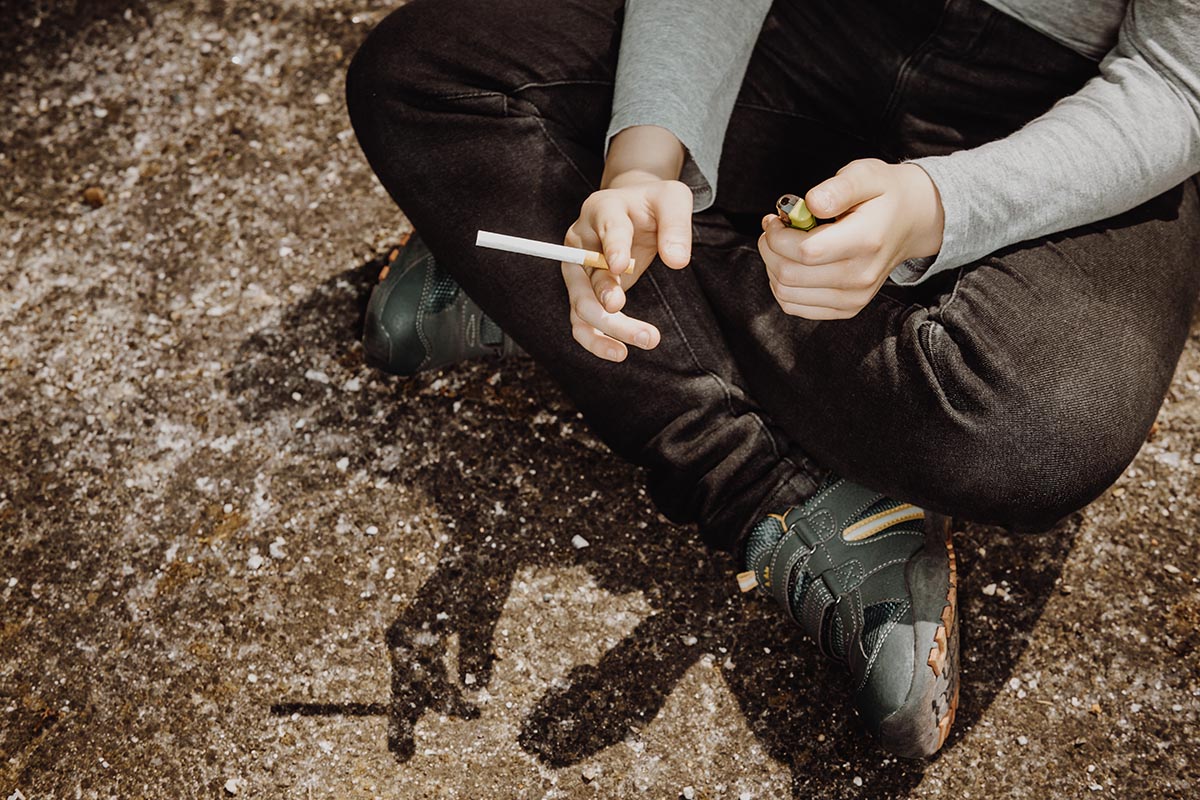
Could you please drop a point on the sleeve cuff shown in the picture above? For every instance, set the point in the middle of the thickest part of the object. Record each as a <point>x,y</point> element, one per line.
<point>955,251</point>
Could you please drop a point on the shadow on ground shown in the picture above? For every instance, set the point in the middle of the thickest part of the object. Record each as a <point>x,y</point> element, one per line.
<point>797,704</point>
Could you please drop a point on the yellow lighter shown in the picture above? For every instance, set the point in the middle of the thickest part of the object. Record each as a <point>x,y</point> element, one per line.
<point>794,213</point>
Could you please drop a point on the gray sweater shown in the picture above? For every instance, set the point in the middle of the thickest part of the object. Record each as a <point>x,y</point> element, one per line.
<point>1130,133</point>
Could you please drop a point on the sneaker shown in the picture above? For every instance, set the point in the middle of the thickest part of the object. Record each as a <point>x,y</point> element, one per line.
<point>418,318</point>
<point>872,581</point>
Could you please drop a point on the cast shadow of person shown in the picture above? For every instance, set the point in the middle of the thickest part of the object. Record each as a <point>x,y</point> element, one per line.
<point>794,702</point>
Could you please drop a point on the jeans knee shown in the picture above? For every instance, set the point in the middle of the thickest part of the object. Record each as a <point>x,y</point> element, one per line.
<point>1028,472</point>
<point>400,57</point>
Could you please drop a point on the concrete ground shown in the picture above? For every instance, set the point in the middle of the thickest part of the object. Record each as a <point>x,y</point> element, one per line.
<point>233,560</point>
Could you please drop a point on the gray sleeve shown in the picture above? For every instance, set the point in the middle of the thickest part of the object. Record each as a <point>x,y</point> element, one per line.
<point>680,66</point>
<point>1128,135</point>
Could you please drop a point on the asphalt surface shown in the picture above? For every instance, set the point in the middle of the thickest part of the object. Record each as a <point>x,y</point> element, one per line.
<point>234,560</point>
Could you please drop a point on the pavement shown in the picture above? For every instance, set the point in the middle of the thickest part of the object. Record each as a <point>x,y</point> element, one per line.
<point>234,561</point>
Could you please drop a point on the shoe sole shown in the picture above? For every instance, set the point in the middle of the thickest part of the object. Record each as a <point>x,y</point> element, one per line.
<point>921,726</point>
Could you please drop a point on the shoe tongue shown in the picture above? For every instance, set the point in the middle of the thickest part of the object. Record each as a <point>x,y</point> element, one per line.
<point>760,540</point>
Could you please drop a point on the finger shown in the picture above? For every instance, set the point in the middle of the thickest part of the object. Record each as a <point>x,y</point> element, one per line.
<point>596,343</point>
<point>607,288</point>
<point>586,306</point>
<point>855,235</point>
<point>579,290</point>
<point>672,209</point>
<point>784,240</point>
<point>836,299</point>
<point>615,230</point>
<point>851,275</point>
<point>815,312</point>
<point>574,236</point>
<point>854,183</point>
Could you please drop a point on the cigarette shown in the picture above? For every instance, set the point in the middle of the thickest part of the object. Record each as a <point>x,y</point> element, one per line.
<point>555,252</point>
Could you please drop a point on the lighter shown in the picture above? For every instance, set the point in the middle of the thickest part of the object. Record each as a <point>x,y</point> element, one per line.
<point>794,213</point>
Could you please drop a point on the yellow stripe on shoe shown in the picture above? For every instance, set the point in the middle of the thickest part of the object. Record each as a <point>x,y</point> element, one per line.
<point>866,528</point>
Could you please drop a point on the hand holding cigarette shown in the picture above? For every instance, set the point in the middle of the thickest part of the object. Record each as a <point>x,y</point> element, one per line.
<point>605,251</point>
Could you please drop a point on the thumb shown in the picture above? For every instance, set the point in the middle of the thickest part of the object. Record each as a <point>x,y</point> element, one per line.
<point>673,215</point>
<point>855,183</point>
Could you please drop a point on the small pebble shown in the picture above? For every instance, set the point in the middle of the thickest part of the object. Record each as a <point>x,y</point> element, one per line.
<point>233,786</point>
<point>94,196</point>
<point>371,530</point>
<point>276,548</point>
<point>857,781</point>
<point>990,589</point>
<point>469,678</point>
<point>342,464</point>
<point>322,99</point>
<point>1171,568</point>
<point>578,542</point>
<point>689,793</point>
<point>252,678</point>
<point>1022,740</point>
<point>255,561</point>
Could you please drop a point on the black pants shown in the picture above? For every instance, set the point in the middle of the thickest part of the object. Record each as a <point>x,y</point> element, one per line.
<point>1012,391</point>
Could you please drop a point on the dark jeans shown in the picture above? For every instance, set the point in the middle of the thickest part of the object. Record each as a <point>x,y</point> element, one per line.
<point>1012,391</point>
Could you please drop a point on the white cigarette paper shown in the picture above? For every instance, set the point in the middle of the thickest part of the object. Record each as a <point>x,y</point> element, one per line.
<point>555,252</point>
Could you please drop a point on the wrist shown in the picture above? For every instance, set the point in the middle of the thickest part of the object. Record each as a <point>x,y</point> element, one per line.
<point>926,204</point>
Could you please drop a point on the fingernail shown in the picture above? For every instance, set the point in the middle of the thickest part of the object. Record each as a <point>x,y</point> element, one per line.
<point>642,339</point>
<point>677,251</point>
<point>604,297</point>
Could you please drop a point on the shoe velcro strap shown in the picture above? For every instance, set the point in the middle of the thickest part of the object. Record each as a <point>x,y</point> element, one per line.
<point>814,606</point>
<point>836,587</point>
<point>791,550</point>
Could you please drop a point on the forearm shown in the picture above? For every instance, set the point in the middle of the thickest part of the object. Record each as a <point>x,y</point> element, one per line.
<point>681,65</point>
<point>642,152</point>
<point>1128,135</point>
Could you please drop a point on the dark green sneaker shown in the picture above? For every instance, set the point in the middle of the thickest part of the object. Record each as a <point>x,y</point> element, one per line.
<point>418,318</point>
<point>872,581</point>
